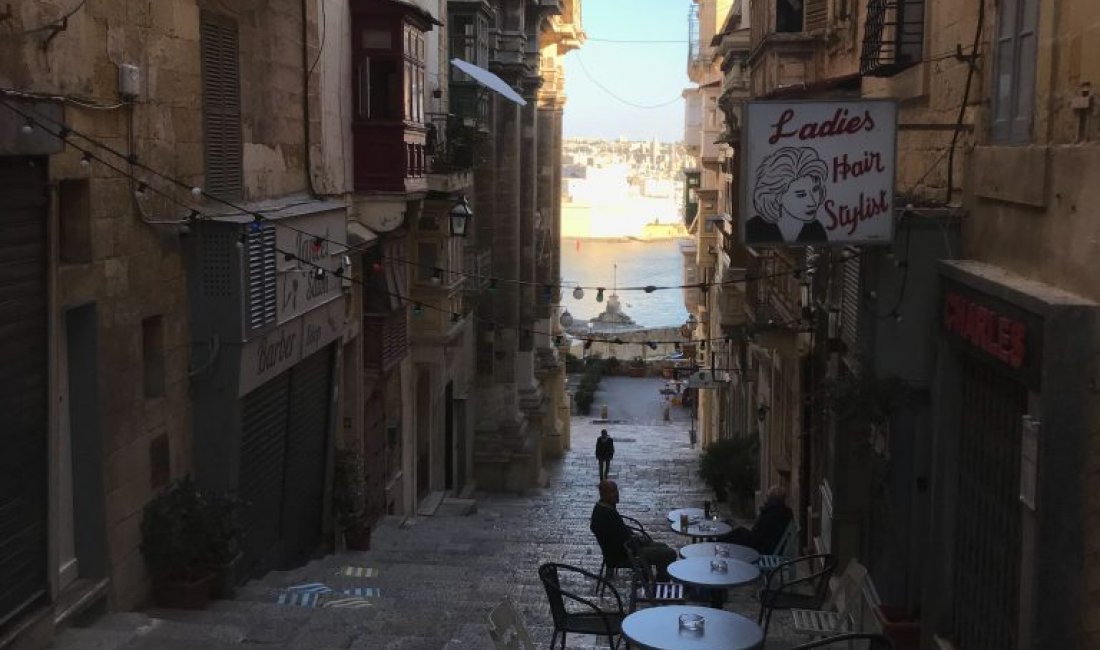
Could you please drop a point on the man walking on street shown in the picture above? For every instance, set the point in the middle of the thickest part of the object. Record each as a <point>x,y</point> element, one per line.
<point>605,451</point>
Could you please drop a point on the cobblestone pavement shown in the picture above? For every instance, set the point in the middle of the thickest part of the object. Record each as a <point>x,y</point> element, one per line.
<point>431,581</point>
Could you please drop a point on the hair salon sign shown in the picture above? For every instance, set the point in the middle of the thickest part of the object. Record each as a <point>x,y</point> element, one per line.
<point>818,172</point>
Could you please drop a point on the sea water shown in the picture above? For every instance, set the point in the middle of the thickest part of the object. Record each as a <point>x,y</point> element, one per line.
<point>592,263</point>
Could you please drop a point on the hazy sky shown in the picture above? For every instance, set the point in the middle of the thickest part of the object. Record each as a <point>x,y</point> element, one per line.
<point>647,74</point>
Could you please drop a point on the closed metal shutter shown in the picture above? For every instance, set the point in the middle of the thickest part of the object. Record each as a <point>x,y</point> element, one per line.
<point>23,386</point>
<point>307,442</point>
<point>849,304</point>
<point>263,457</point>
<point>987,526</point>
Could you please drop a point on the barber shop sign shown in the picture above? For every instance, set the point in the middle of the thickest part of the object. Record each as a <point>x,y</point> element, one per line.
<point>818,172</point>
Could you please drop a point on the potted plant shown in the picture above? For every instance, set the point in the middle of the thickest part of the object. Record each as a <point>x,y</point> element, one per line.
<point>175,534</point>
<point>223,549</point>
<point>730,467</point>
<point>349,500</point>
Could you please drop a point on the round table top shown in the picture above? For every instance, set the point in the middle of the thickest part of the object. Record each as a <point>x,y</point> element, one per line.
<point>696,571</point>
<point>714,528</point>
<point>692,513</point>
<point>706,549</point>
<point>658,628</point>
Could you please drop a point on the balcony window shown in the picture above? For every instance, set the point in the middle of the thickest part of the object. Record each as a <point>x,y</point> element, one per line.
<point>389,88</point>
<point>893,38</point>
<point>788,16</point>
<point>468,33</point>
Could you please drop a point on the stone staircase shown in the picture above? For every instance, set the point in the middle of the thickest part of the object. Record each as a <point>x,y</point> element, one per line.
<point>428,583</point>
<point>424,592</point>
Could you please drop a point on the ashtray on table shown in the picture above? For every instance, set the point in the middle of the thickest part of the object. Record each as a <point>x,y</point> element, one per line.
<point>692,623</point>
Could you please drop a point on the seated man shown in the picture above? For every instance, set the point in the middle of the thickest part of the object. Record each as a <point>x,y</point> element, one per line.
<point>612,532</point>
<point>770,525</point>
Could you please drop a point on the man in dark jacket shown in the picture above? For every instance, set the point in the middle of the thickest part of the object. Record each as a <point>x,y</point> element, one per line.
<point>605,451</point>
<point>612,532</point>
<point>770,525</point>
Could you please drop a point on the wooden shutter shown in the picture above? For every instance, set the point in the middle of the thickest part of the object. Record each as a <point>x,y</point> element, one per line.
<point>221,106</point>
<point>1026,53</point>
<point>817,12</point>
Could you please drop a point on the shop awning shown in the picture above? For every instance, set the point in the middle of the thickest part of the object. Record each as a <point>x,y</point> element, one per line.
<point>489,80</point>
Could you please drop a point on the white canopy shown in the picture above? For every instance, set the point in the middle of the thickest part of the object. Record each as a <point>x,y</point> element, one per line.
<point>489,80</point>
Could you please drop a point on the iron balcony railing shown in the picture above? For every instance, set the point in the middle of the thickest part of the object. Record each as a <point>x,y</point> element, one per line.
<point>893,38</point>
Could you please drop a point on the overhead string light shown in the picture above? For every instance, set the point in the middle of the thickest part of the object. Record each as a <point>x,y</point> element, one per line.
<point>63,131</point>
<point>419,307</point>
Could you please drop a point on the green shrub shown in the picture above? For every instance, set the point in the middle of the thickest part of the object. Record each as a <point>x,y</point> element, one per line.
<point>731,467</point>
<point>573,364</point>
<point>584,399</point>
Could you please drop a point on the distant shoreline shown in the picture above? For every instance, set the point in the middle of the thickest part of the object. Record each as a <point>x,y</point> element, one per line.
<point>626,238</point>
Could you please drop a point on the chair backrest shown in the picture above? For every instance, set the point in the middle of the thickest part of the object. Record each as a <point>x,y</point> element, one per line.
<point>788,542</point>
<point>507,628</point>
<point>848,592</point>
<point>874,642</point>
<point>548,573</point>
<point>641,575</point>
<point>819,568</point>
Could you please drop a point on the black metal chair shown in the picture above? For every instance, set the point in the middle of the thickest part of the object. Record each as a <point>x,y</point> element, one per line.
<point>807,591</point>
<point>643,588</point>
<point>591,619</point>
<point>614,557</point>
<point>875,642</point>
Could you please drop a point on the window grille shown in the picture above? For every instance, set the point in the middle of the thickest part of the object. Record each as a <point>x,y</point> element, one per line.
<point>893,38</point>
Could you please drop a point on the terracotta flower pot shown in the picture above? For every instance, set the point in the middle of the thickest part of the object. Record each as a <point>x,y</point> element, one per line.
<point>224,585</point>
<point>357,539</point>
<point>180,594</point>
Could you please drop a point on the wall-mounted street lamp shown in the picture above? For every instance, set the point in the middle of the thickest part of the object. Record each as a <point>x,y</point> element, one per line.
<point>460,217</point>
<point>762,412</point>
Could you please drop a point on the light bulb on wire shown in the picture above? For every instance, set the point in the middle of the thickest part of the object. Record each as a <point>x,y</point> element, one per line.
<point>578,293</point>
<point>599,294</point>
<point>86,160</point>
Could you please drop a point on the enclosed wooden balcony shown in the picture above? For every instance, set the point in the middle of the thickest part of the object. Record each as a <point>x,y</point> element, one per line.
<point>385,341</point>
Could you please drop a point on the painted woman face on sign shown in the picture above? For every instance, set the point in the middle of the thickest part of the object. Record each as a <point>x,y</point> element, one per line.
<point>787,196</point>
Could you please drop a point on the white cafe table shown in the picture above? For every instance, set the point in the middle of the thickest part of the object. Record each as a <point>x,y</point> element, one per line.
<point>706,549</point>
<point>696,571</point>
<point>658,628</point>
<point>692,513</point>
<point>703,529</point>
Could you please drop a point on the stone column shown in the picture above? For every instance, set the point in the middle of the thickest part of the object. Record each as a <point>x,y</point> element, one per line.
<point>530,295</point>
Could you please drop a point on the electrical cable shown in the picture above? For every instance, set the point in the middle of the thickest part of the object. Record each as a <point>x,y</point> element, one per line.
<point>894,313</point>
<point>965,100</point>
<point>600,338</point>
<point>64,99</point>
<point>324,36</point>
<point>259,216</point>
<point>589,39</point>
<point>57,24</point>
<point>580,61</point>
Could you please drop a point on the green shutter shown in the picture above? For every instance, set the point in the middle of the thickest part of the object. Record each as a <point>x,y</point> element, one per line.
<point>221,106</point>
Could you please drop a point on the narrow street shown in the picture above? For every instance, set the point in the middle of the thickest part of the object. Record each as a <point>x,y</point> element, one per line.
<point>437,577</point>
